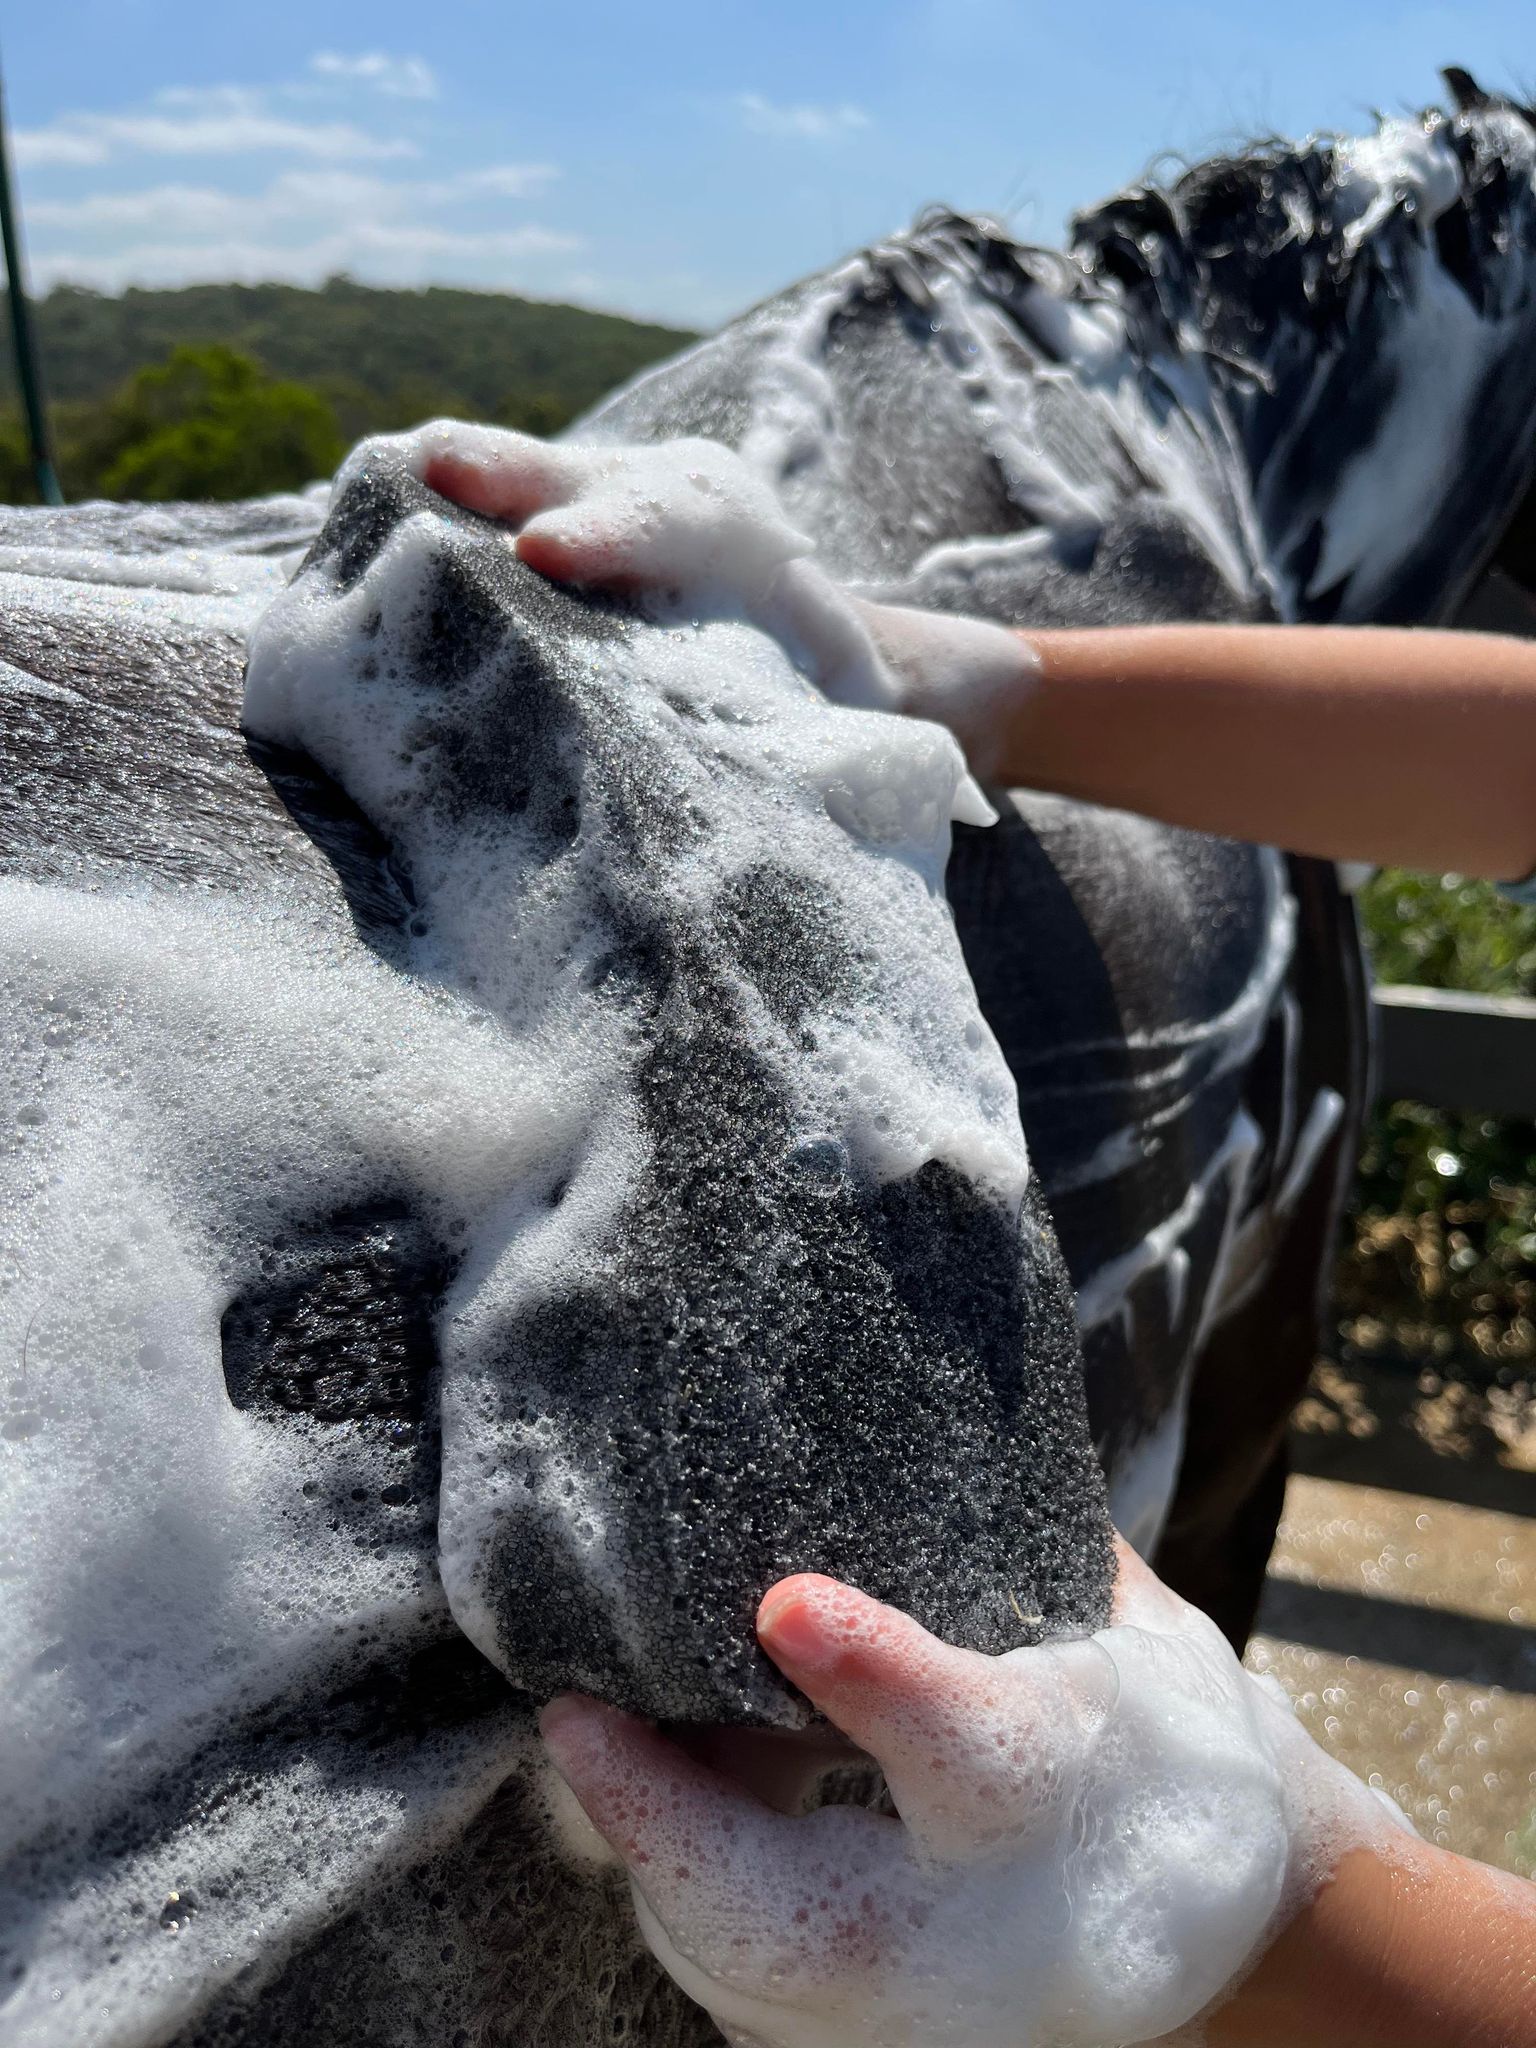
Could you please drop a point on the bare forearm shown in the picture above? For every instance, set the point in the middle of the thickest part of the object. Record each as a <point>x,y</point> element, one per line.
<point>1427,1948</point>
<point>1412,748</point>
<point>1352,743</point>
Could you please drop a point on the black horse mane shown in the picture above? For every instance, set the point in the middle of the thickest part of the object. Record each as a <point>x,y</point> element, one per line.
<point>1264,226</point>
<point>1257,228</point>
<point>1268,268</point>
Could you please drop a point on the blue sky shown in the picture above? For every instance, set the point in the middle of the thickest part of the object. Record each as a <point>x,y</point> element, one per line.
<point>677,159</point>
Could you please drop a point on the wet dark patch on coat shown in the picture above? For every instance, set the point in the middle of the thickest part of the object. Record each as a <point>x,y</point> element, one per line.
<point>339,1325</point>
<point>790,940</point>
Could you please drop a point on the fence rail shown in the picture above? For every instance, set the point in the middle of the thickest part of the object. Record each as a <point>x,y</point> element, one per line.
<point>1456,1051</point>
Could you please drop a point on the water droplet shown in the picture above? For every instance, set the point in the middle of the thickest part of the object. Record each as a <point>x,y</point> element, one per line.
<point>820,1162</point>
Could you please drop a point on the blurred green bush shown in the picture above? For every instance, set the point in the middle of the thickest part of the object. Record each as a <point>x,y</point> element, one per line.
<point>1439,1255</point>
<point>210,422</point>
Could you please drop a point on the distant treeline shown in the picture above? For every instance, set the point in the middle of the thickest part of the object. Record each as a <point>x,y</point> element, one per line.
<point>153,393</point>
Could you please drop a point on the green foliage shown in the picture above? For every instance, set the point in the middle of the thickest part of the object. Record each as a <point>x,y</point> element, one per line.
<point>1440,1256</point>
<point>1443,931</point>
<point>16,485</point>
<point>227,391</point>
<point>534,412</point>
<point>207,423</point>
<point>380,359</point>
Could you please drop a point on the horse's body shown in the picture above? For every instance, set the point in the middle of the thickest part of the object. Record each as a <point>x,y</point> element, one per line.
<point>359,1848</point>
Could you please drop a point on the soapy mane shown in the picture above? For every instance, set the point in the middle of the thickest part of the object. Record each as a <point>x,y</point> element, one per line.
<point>1322,285</point>
<point>268,1774</point>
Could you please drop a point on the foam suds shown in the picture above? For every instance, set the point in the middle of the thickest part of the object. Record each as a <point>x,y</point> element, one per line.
<point>862,803</point>
<point>1096,1840</point>
<point>296,1185</point>
<point>358,1114</point>
<point>178,1569</point>
<point>693,527</point>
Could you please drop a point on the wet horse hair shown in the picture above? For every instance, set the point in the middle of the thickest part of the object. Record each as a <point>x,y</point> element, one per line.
<point>273,1015</point>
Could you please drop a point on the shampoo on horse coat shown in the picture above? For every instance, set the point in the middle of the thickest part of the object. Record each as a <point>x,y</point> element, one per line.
<point>457,1134</point>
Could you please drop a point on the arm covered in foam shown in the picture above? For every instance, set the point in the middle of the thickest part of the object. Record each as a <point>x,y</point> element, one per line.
<point>1099,1842</point>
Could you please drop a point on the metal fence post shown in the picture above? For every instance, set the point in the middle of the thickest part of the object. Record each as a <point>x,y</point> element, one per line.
<point>22,338</point>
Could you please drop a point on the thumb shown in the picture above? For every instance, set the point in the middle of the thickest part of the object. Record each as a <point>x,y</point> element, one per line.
<point>976,1750</point>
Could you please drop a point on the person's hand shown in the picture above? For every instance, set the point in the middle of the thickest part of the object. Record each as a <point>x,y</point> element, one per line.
<point>1095,1837</point>
<point>688,523</point>
<point>1211,728</point>
<point>684,525</point>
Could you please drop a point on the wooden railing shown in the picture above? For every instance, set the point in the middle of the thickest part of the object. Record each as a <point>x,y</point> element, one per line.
<point>1456,1051</point>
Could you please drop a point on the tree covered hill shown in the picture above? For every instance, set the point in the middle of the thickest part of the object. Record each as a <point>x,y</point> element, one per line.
<point>480,353</point>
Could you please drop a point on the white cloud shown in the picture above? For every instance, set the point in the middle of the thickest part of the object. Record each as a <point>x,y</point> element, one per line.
<point>326,209</point>
<point>416,239</point>
<point>402,78</point>
<point>507,181</point>
<point>804,123</point>
<point>57,144</point>
<point>188,209</point>
<point>219,130</point>
<point>318,196</point>
<point>406,253</point>
<point>213,99</point>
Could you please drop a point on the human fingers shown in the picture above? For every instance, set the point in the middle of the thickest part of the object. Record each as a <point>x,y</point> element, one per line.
<point>504,475</point>
<point>976,1750</point>
<point>1140,1599</point>
<point>581,545</point>
<point>744,1896</point>
<point>781,1766</point>
<point>636,1787</point>
<point>682,517</point>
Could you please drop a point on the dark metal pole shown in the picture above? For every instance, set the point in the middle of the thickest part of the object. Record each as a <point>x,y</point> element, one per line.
<point>21,332</point>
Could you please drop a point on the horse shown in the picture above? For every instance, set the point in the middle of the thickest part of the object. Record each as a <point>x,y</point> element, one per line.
<point>514,1148</point>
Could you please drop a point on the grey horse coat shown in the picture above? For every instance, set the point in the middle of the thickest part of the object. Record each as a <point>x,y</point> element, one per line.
<point>331,1820</point>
